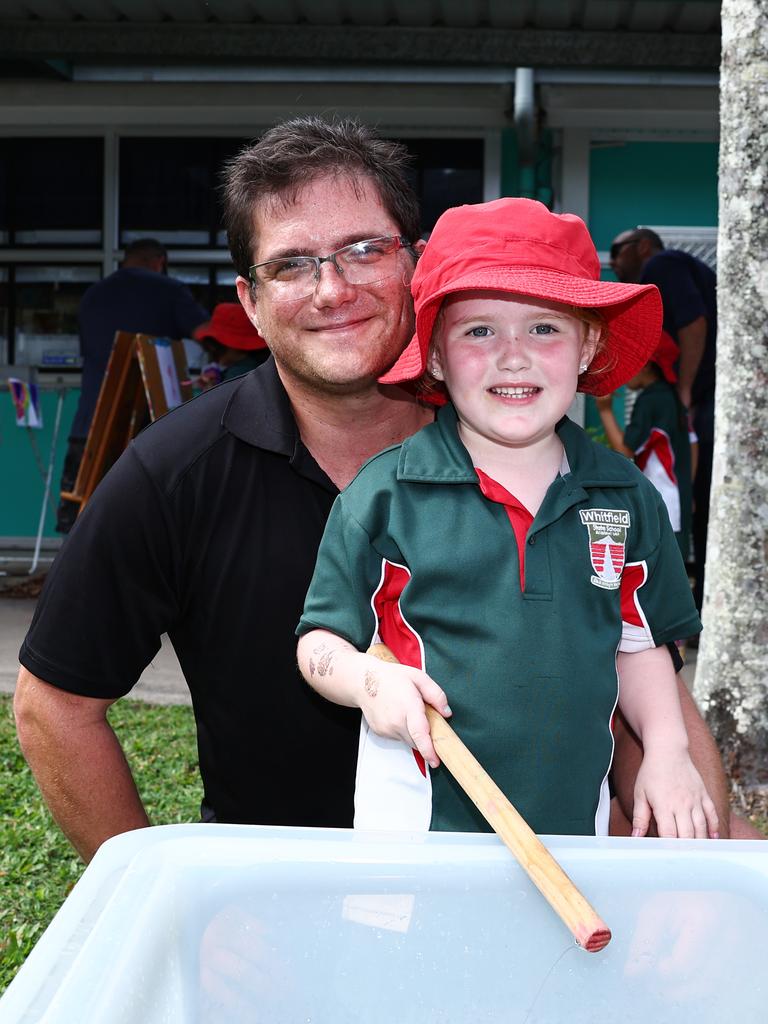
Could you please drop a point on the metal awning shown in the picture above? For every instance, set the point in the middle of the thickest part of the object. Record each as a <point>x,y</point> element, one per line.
<point>56,37</point>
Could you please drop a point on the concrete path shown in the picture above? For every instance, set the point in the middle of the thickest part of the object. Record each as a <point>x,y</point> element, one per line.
<point>161,683</point>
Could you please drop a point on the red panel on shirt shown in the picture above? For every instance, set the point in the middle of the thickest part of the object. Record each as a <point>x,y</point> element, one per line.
<point>393,629</point>
<point>632,579</point>
<point>658,442</point>
<point>518,514</point>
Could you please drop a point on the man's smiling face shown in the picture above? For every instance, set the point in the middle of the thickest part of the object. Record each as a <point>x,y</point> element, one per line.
<point>342,336</point>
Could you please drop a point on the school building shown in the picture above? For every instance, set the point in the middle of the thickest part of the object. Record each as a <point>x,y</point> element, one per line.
<point>116,115</point>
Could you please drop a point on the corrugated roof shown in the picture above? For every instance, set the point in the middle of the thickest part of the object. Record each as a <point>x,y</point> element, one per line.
<point>676,34</point>
<point>689,16</point>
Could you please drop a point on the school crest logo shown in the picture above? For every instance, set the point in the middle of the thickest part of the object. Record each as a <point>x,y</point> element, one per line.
<point>607,529</point>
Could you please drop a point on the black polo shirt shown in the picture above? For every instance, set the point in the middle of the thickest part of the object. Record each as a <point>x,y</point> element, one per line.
<point>207,528</point>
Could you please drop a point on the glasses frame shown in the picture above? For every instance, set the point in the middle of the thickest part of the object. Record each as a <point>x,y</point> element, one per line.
<point>617,247</point>
<point>402,243</point>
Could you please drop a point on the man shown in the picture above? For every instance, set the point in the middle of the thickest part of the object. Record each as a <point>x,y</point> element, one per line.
<point>688,292</point>
<point>208,525</point>
<point>207,528</point>
<point>137,297</point>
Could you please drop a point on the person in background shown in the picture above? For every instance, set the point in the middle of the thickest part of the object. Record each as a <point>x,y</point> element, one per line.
<point>139,297</point>
<point>232,344</point>
<point>688,292</point>
<point>657,435</point>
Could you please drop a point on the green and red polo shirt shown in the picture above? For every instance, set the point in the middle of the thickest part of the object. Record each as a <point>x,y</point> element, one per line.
<point>417,555</point>
<point>660,440</point>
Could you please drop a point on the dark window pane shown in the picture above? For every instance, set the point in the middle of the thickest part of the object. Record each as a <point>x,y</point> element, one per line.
<point>445,173</point>
<point>51,191</point>
<point>168,188</point>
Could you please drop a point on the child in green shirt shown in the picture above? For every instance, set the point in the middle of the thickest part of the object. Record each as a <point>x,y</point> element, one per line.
<point>503,553</point>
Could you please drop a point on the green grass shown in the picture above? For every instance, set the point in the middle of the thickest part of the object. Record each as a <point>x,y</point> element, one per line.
<point>38,867</point>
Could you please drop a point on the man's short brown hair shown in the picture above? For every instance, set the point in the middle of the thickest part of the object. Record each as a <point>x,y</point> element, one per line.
<point>297,152</point>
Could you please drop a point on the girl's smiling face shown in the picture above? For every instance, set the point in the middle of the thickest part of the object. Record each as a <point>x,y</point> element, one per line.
<point>510,364</point>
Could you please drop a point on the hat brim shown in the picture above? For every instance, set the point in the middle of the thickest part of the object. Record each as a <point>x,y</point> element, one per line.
<point>202,330</point>
<point>230,338</point>
<point>633,313</point>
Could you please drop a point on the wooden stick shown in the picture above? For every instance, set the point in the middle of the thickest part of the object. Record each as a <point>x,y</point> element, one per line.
<point>586,925</point>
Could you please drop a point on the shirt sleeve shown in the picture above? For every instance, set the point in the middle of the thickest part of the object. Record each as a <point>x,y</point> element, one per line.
<point>347,574</point>
<point>657,605</point>
<point>110,594</point>
<point>680,294</point>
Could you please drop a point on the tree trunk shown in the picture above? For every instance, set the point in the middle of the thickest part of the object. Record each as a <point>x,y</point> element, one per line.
<point>732,671</point>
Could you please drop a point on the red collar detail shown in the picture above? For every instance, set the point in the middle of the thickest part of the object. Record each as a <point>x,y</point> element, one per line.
<point>494,491</point>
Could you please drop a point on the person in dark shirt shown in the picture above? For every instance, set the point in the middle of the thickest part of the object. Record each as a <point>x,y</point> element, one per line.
<point>139,297</point>
<point>208,525</point>
<point>688,291</point>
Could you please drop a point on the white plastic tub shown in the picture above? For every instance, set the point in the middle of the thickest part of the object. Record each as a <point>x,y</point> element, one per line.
<point>208,923</point>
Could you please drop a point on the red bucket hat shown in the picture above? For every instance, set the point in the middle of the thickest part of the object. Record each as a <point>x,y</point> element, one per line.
<point>230,326</point>
<point>518,246</point>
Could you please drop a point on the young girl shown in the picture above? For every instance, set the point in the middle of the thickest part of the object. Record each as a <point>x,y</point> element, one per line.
<point>507,555</point>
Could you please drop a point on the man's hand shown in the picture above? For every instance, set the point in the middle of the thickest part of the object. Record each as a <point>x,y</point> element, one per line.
<point>242,976</point>
<point>684,394</point>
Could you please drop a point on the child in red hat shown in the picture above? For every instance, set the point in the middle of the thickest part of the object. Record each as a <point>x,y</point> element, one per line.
<point>503,553</point>
<point>231,342</point>
<point>657,436</point>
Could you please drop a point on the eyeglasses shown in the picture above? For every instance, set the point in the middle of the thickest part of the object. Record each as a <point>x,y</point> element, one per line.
<point>366,262</point>
<point>618,246</point>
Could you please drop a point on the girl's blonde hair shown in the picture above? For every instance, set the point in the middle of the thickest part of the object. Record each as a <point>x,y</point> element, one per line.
<point>590,318</point>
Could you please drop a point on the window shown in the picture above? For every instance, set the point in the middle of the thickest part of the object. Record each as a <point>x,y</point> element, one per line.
<point>45,302</point>
<point>445,173</point>
<point>168,189</point>
<point>51,191</point>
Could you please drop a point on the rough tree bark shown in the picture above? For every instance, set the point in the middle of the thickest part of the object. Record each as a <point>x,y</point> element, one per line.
<point>732,671</point>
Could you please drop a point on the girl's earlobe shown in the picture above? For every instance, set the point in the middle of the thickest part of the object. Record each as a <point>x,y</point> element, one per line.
<point>433,365</point>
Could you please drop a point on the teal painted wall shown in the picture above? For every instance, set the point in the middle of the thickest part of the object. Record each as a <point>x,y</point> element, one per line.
<point>651,183</point>
<point>658,183</point>
<point>534,181</point>
<point>23,480</point>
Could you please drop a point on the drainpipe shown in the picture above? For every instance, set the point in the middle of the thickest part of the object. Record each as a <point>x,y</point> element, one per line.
<point>525,130</point>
